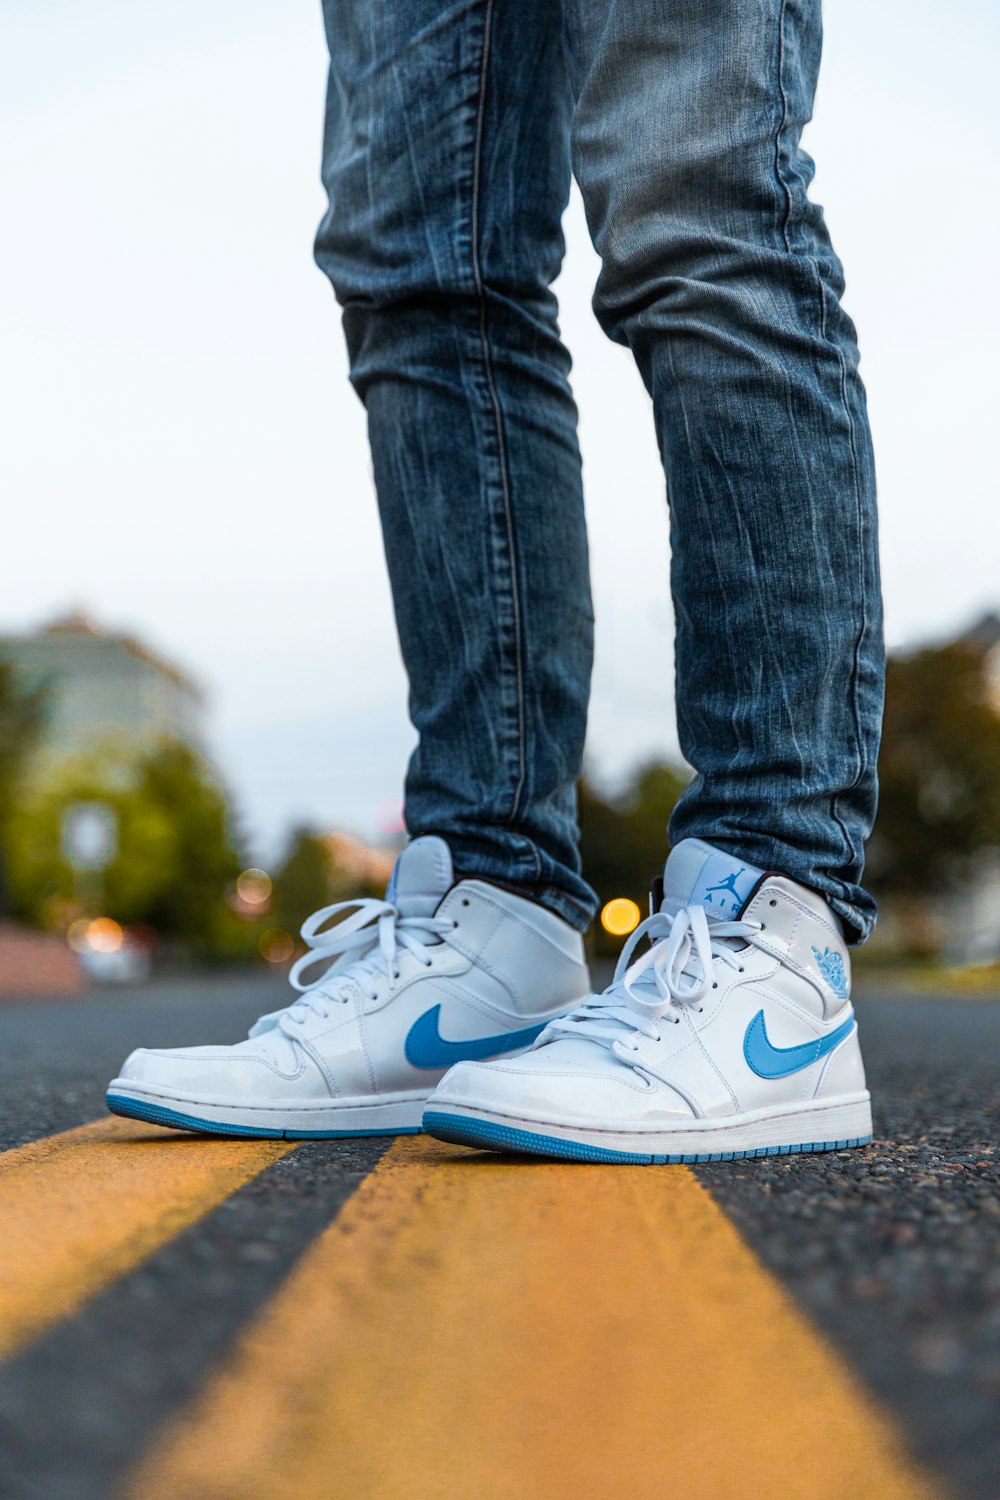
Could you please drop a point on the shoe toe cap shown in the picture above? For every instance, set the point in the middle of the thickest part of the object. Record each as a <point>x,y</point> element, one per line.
<point>534,1086</point>
<point>146,1066</point>
<point>223,1070</point>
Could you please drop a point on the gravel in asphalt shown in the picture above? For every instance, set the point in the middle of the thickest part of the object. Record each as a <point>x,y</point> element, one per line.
<point>78,1406</point>
<point>892,1251</point>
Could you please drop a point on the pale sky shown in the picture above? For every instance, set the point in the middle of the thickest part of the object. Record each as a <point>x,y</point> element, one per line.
<point>183,457</point>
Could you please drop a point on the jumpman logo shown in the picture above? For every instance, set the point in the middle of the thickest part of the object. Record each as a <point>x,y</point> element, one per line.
<point>728,885</point>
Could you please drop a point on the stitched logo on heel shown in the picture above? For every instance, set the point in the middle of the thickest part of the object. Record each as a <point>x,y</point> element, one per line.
<point>831,965</point>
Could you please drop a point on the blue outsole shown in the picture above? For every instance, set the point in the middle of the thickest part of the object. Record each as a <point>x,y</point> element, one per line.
<point>158,1114</point>
<point>460,1130</point>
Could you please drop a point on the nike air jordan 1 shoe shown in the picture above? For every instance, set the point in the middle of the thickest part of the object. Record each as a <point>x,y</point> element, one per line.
<point>436,973</point>
<point>731,1035</point>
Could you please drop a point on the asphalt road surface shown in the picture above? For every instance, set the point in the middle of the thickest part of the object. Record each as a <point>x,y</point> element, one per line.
<point>199,1319</point>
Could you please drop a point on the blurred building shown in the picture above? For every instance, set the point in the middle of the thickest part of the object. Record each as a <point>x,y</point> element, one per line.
<point>984,636</point>
<point>972,918</point>
<point>961,926</point>
<point>974,932</point>
<point>36,963</point>
<point>101,684</point>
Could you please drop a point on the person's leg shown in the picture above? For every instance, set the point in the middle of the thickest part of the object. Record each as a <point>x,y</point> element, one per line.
<point>732,1034</point>
<point>719,275</point>
<point>446,161</point>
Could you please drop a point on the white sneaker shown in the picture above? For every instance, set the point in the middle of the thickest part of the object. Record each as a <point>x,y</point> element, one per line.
<point>434,973</point>
<point>732,1036</point>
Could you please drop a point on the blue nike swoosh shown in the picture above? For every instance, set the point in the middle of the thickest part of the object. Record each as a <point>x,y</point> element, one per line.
<point>425,1047</point>
<point>768,1061</point>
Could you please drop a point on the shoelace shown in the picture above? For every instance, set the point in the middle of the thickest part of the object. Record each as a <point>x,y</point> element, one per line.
<point>680,963</point>
<point>355,950</point>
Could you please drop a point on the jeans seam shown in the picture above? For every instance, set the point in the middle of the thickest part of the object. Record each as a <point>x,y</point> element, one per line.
<point>782,126</point>
<point>812,261</point>
<point>498,422</point>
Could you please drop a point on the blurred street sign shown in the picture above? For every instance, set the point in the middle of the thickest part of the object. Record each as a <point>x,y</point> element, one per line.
<point>89,835</point>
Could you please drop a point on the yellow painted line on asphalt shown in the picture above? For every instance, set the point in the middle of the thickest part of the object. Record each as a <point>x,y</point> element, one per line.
<point>472,1326</point>
<point>80,1208</point>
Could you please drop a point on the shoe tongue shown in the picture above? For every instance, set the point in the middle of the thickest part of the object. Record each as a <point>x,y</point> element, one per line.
<point>421,876</point>
<point>696,874</point>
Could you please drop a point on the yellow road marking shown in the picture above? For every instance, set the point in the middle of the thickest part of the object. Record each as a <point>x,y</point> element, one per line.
<point>80,1208</point>
<point>475,1327</point>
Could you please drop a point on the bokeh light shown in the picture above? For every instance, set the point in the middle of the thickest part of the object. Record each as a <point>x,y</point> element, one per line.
<point>389,817</point>
<point>76,934</point>
<point>254,887</point>
<point>276,945</point>
<point>620,916</point>
<point>104,935</point>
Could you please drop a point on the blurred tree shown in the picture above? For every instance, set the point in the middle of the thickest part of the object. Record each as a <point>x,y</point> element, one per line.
<point>319,869</point>
<point>176,855</point>
<point>939,770</point>
<point>205,858</point>
<point>304,880</point>
<point>22,719</point>
<point>623,839</point>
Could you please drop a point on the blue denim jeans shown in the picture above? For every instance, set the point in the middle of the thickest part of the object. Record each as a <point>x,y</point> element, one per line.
<point>452,131</point>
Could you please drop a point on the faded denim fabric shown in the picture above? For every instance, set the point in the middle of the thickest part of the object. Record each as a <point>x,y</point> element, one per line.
<point>452,130</point>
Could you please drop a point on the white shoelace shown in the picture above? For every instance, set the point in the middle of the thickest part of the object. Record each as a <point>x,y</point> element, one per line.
<point>679,972</point>
<point>356,950</point>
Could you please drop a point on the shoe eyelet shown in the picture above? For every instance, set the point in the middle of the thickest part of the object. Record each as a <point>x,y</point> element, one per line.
<point>465,900</point>
<point>763,926</point>
<point>772,903</point>
<point>742,969</point>
<point>715,984</point>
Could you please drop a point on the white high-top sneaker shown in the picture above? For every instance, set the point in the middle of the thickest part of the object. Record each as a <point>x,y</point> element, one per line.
<point>732,1036</point>
<point>435,973</point>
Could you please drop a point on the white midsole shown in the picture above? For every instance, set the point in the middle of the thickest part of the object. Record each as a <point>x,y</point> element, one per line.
<point>847,1117</point>
<point>391,1111</point>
